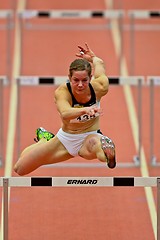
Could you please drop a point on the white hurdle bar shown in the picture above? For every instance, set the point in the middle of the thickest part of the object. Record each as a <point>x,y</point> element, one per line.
<point>138,14</point>
<point>6,183</point>
<point>74,14</point>
<point>152,81</point>
<point>3,81</point>
<point>143,14</point>
<point>40,81</point>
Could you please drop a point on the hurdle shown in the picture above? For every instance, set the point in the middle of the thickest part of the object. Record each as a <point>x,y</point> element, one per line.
<point>7,14</point>
<point>25,15</point>
<point>139,14</point>
<point>35,81</point>
<point>152,81</point>
<point>75,182</point>
<point>3,81</point>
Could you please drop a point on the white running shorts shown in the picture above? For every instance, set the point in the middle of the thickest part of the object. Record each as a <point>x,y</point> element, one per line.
<point>73,142</point>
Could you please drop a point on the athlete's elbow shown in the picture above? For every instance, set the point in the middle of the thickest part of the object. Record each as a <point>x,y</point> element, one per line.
<point>64,116</point>
<point>104,89</point>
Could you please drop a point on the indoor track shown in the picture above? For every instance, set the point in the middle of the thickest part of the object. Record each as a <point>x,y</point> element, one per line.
<point>119,213</point>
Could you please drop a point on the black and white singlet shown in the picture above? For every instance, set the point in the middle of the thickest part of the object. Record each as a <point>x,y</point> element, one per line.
<point>92,102</point>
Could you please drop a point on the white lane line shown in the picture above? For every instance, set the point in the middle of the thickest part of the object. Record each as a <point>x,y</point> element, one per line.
<point>13,103</point>
<point>134,121</point>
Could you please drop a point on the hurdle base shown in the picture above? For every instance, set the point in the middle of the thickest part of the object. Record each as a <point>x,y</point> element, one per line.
<point>136,160</point>
<point>154,162</point>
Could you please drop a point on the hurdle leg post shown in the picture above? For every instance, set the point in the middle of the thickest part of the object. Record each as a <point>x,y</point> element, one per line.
<point>5,208</point>
<point>152,157</point>
<point>158,208</point>
<point>132,45</point>
<point>1,123</point>
<point>139,119</point>
<point>18,118</point>
<point>120,22</point>
<point>9,51</point>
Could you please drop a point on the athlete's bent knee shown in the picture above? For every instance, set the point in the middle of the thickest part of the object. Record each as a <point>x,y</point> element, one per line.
<point>92,142</point>
<point>18,170</point>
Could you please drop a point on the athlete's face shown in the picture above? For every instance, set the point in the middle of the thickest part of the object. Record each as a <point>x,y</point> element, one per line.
<point>80,81</point>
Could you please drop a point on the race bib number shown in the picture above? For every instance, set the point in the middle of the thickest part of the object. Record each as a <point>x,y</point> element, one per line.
<point>84,118</point>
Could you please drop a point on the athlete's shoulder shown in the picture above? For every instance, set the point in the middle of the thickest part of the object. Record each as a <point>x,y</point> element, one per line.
<point>61,88</point>
<point>62,92</point>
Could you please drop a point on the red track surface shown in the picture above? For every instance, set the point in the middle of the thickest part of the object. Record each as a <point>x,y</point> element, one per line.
<point>86,213</point>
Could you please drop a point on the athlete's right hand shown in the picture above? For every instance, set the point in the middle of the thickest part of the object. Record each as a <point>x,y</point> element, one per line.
<point>92,110</point>
<point>86,53</point>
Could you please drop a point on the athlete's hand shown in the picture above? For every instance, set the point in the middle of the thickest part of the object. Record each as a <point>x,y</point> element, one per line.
<point>91,111</point>
<point>86,53</point>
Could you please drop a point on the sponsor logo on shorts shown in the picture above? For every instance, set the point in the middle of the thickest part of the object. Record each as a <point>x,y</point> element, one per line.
<point>82,181</point>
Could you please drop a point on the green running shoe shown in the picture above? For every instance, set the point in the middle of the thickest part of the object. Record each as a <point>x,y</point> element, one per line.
<point>42,133</point>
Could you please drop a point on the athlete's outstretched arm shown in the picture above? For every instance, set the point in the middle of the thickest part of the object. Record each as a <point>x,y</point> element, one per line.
<point>99,71</point>
<point>89,55</point>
